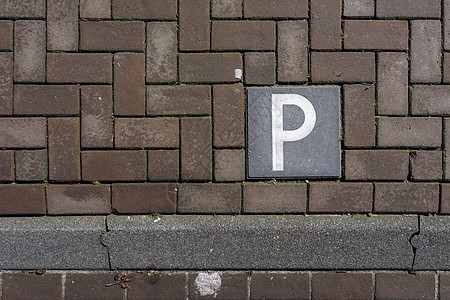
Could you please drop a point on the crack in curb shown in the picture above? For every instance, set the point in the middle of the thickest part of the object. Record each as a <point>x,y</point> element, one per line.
<point>104,245</point>
<point>414,248</point>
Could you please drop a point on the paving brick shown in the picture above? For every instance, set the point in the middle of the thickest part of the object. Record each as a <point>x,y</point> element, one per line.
<point>47,100</point>
<point>275,9</point>
<point>279,285</point>
<point>23,133</point>
<point>6,166</point>
<point>376,34</point>
<point>31,165</point>
<point>64,149</point>
<point>274,198</point>
<point>6,35</point>
<point>162,52</point>
<point>161,286</point>
<point>29,51</point>
<point>62,25</point>
<point>409,132</point>
<point>445,199</point>
<point>129,84</point>
<point>146,132</point>
<point>145,9</point>
<point>229,165</point>
<point>406,197</point>
<point>228,108</point>
<point>112,35</point>
<point>446,21</point>
<point>446,68</point>
<point>194,25</point>
<point>196,152</point>
<point>446,148</point>
<point>444,285</point>
<point>292,51</point>
<point>178,100</point>
<point>340,197</point>
<point>326,24</point>
<point>6,88</point>
<point>426,51</point>
<point>79,67</point>
<point>426,165</point>
<point>233,286</point>
<point>90,285</point>
<point>23,9</point>
<point>113,165</point>
<point>31,286</point>
<point>95,9</point>
<point>429,100</point>
<point>224,198</point>
<point>409,8</point>
<point>392,88</point>
<point>405,286</point>
<point>359,116</point>
<point>144,198</point>
<point>163,165</point>
<point>226,9</point>
<point>84,199</point>
<point>342,67</point>
<point>359,8</point>
<point>243,35</point>
<point>342,286</point>
<point>376,164</point>
<point>22,200</point>
<point>260,68</point>
<point>209,67</point>
<point>96,116</point>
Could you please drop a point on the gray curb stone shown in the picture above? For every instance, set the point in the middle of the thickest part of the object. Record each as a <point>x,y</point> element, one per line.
<point>52,243</point>
<point>433,243</point>
<point>260,242</point>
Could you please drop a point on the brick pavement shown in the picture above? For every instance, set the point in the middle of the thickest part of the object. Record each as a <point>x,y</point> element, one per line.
<point>133,107</point>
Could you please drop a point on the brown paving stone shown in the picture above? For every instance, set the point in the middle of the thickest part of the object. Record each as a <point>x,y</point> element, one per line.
<point>405,286</point>
<point>409,8</point>
<point>277,198</point>
<point>340,197</point>
<point>446,28</point>
<point>112,35</point>
<point>79,67</point>
<point>445,198</point>
<point>406,197</point>
<point>233,286</point>
<point>129,84</point>
<point>260,68</point>
<point>359,8</point>
<point>426,165</point>
<point>31,286</point>
<point>161,286</point>
<point>91,285</point>
<point>96,116</point>
<point>275,9</point>
<point>326,24</point>
<point>376,34</point>
<point>6,166</point>
<point>29,51</point>
<point>22,200</point>
<point>178,100</point>
<point>444,285</point>
<point>64,149</point>
<point>279,285</point>
<point>145,9</point>
<point>146,132</point>
<point>31,165</point>
<point>143,198</point>
<point>446,146</point>
<point>376,164</point>
<point>228,108</point>
<point>23,132</point>
<point>6,88</point>
<point>23,9</point>
<point>161,52</point>
<point>196,150</point>
<point>224,198</point>
<point>163,165</point>
<point>429,100</point>
<point>79,199</point>
<point>62,25</point>
<point>292,51</point>
<point>446,68</point>
<point>229,165</point>
<point>194,25</point>
<point>226,9</point>
<point>359,116</point>
<point>47,100</point>
<point>342,286</point>
<point>113,165</point>
<point>95,9</point>
<point>243,35</point>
